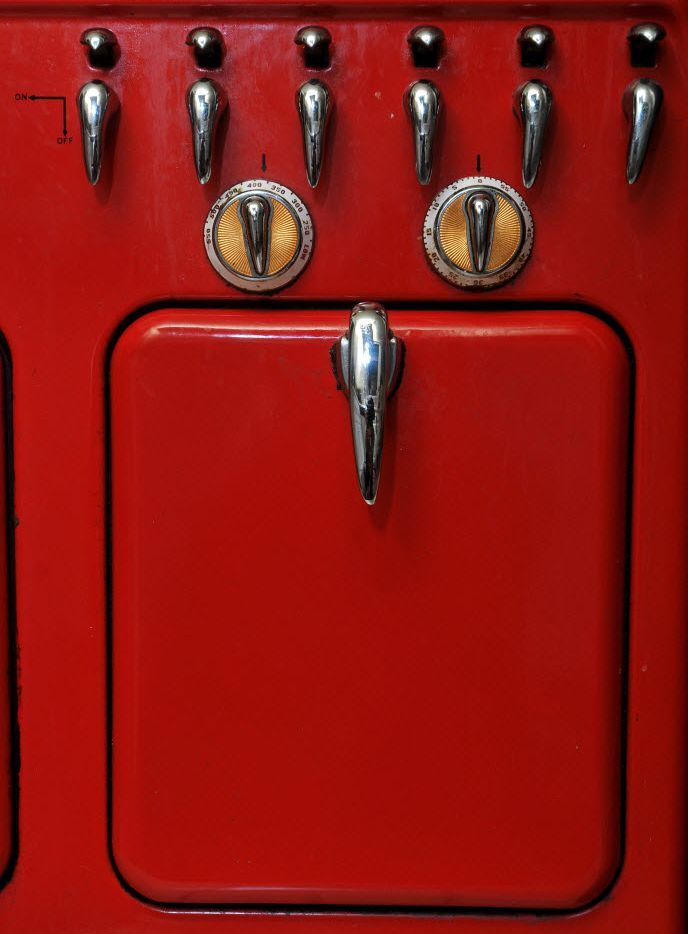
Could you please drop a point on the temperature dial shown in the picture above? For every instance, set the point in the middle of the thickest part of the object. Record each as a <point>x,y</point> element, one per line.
<point>478,232</point>
<point>259,236</point>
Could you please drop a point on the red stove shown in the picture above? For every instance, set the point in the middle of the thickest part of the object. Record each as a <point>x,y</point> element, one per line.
<point>344,404</point>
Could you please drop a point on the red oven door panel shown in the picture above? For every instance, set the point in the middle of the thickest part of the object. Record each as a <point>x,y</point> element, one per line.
<point>318,702</point>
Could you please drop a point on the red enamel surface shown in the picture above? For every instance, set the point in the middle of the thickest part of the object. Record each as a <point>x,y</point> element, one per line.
<point>77,261</point>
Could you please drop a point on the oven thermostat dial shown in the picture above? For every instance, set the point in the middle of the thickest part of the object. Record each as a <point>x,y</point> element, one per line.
<point>478,232</point>
<point>259,235</point>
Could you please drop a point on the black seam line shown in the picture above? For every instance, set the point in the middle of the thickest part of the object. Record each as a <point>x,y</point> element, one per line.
<point>330,910</point>
<point>590,13</point>
<point>13,643</point>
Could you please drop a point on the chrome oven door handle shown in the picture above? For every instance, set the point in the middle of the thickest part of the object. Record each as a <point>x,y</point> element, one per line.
<point>367,362</point>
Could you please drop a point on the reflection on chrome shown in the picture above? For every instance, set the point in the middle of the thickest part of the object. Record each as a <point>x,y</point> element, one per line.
<point>96,103</point>
<point>423,104</point>
<point>205,103</point>
<point>367,358</point>
<point>313,105</point>
<point>534,103</point>
<point>642,102</point>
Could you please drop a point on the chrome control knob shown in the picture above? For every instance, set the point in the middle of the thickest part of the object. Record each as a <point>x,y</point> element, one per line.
<point>205,103</point>
<point>95,103</point>
<point>255,213</point>
<point>533,104</point>
<point>423,105</point>
<point>313,106</point>
<point>642,102</point>
<point>478,232</point>
<point>480,209</point>
<point>259,236</point>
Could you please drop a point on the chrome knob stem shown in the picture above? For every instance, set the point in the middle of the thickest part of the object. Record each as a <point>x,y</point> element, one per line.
<point>533,105</point>
<point>535,42</point>
<point>315,42</point>
<point>643,40</point>
<point>205,103</point>
<point>423,105</point>
<point>642,103</point>
<point>102,47</point>
<point>95,103</point>
<point>207,45</point>
<point>367,358</point>
<point>427,44</point>
<point>313,105</point>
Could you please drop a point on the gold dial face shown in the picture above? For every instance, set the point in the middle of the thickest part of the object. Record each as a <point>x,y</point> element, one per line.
<point>259,235</point>
<point>478,232</point>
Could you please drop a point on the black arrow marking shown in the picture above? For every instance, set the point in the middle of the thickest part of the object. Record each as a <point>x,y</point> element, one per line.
<point>47,97</point>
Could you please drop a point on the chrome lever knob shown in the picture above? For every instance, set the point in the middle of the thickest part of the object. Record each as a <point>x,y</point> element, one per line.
<point>480,208</point>
<point>423,104</point>
<point>642,102</point>
<point>205,103</point>
<point>367,360</point>
<point>256,214</point>
<point>96,103</point>
<point>533,105</point>
<point>313,103</point>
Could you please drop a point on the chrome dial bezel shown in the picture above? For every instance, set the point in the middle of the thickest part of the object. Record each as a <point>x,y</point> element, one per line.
<point>299,211</point>
<point>433,249</point>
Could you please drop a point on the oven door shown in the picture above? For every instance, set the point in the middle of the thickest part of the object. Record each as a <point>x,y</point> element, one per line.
<point>321,703</point>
